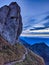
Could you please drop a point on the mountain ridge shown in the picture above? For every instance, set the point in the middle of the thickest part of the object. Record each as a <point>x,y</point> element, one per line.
<point>39,48</point>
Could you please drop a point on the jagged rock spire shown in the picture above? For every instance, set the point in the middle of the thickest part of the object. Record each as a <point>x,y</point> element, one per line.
<point>10,22</point>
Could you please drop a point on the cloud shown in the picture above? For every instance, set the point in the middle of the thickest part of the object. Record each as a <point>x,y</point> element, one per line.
<point>35,35</point>
<point>38,25</point>
<point>37,31</point>
<point>39,21</point>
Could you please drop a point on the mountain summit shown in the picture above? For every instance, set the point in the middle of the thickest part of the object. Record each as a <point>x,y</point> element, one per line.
<point>10,22</point>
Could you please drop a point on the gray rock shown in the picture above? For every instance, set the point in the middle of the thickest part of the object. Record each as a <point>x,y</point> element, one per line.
<point>10,22</point>
<point>3,14</point>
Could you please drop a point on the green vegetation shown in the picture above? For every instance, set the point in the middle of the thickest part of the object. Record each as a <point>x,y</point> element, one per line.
<point>11,52</point>
<point>31,59</point>
<point>17,52</point>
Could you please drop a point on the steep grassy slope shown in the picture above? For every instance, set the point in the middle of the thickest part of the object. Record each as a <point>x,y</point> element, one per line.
<point>17,54</point>
<point>9,52</point>
<point>31,59</point>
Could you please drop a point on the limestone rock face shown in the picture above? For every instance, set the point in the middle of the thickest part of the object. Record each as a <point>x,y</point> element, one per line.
<point>10,22</point>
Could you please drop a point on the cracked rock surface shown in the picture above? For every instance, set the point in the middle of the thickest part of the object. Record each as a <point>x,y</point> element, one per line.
<point>10,22</point>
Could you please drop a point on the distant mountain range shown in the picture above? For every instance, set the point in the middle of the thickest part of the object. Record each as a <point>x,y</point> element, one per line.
<point>39,48</point>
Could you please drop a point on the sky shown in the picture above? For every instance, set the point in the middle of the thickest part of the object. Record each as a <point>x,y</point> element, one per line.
<point>29,9</point>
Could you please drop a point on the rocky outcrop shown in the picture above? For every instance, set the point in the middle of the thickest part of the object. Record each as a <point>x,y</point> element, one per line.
<point>10,22</point>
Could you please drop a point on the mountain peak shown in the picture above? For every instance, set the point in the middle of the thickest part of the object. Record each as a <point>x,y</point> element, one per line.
<point>10,22</point>
<point>13,4</point>
<point>41,44</point>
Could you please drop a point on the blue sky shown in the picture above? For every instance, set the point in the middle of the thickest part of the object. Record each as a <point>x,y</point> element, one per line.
<point>30,7</point>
